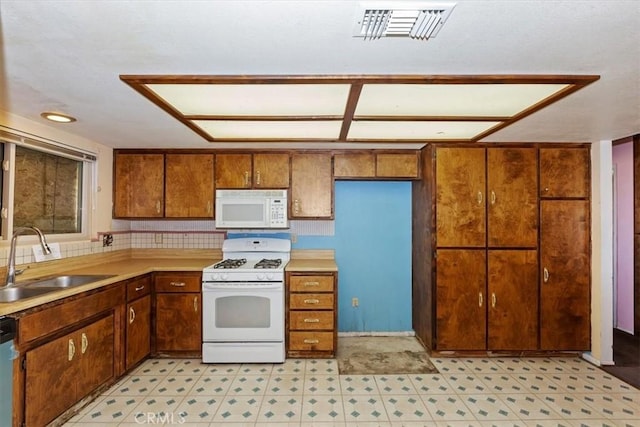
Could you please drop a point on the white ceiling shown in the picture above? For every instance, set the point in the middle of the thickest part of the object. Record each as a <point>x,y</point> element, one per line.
<point>68,55</point>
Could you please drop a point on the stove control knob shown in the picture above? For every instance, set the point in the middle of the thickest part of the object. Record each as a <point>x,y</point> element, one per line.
<point>260,276</point>
<point>224,276</point>
<point>269,276</point>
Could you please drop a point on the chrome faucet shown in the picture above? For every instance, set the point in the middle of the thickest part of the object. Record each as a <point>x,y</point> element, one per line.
<point>11,267</point>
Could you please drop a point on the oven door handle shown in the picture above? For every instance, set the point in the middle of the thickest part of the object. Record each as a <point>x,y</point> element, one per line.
<point>208,286</point>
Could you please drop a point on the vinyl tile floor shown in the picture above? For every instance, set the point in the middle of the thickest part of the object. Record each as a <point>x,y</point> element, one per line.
<point>310,392</point>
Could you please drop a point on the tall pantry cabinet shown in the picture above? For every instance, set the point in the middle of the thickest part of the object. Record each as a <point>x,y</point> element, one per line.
<point>478,213</point>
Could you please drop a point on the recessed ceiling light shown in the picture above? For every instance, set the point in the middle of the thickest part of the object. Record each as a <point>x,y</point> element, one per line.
<point>57,117</point>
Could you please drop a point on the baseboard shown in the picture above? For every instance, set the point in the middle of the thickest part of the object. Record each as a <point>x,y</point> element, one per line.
<point>377,334</point>
<point>589,358</point>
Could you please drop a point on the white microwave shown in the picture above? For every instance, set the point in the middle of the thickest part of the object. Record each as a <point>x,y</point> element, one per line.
<point>251,209</point>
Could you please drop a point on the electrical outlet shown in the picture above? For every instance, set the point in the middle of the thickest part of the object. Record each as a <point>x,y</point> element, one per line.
<point>158,238</point>
<point>355,302</point>
<point>107,240</point>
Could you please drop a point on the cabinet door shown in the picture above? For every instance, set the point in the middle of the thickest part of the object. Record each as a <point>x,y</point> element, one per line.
<point>189,186</point>
<point>233,171</point>
<point>311,186</point>
<point>565,272</point>
<point>564,172</point>
<point>513,300</point>
<point>460,197</point>
<point>50,383</point>
<point>138,185</point>
<point>178,322</point>
<point>397,165</point>
<point>354,165</point>
<point>271,170</point>
<point>460,299</point>
<point>96,355</point>
<point>138,330</point>
<point>512,197</point>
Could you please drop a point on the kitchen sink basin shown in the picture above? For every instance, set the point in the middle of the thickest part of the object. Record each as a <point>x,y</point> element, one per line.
<point>48,284</point>
<point>18,293</point>
<point>69,281</point>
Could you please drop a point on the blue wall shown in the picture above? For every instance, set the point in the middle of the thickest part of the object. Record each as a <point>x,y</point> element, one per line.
<point>372,243</point>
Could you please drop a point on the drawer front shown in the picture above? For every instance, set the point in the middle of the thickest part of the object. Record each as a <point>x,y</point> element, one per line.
<point>177,282</point>
<point>310,341</point>
<point>311,301</point>
<point>138,287</point>
<point>311,320</point>
<point>311,284</point>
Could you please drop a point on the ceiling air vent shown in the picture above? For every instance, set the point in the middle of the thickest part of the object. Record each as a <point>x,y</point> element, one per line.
<point>418,20</point>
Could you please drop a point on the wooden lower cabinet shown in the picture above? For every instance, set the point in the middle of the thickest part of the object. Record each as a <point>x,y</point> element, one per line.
<point>178,312</point>
<point>512,302</point>
<point>461,315</point>
<point>311,325</point>
<point>64,370</point>
<point>138,331</point>
<point>479,312</point>
<point>565,272</point>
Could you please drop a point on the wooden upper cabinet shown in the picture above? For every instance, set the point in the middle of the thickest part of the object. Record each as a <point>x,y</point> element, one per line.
<point>271,170</point>
<point>565,273</point>
<point>311,186</point>
<point>372,165</point>
<point>138,190</point>
<point>189,188</point>
<point>259,170</point>
<point>233,171</point>
<point>512,197</point>
<point>401,165</point>
<point>460,197</point>
<point>354,165</point>
<point>564,172</point>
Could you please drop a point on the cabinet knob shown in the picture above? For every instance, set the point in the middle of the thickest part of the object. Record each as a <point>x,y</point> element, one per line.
<point>178,284</point>
<point>246,178</point>
<point>309,341</point>
<point>493,300</point>
<point>132,315</point>
<point>296,206</point>
<point>479,197</point>
<point>311,283</point>
<point>158,206</point>
<point>195,304</point>
<point>311,301</point>
<point>479,299</point>
<point>545,275</point>
<point>493,197</point>
<point>257,177</point>
<point>311,320</point>
<point>139,288</point>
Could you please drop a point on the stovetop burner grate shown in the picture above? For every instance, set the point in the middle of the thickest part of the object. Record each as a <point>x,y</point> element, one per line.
<point>231,263</point>
<point>268,263</point>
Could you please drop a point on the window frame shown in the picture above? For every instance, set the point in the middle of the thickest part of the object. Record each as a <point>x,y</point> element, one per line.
<point>87,205</point>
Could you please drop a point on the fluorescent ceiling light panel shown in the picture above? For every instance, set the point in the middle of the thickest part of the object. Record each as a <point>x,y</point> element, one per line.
<point>255,99</point>
<point>436,130</point>
<point>247,129</point>
<point>438,100</point>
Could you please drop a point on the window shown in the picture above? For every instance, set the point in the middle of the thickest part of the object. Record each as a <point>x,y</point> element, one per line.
<point>45,185</point>
<point>47,192</point>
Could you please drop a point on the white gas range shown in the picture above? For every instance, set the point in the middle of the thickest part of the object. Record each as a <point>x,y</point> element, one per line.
<point>243,302</point>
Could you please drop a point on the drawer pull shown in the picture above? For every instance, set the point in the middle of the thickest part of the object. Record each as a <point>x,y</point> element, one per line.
<point>311,301</point>
<point>139,288</point>
<point>311,283</point>
<point>311,320</point>
<point>178,284</point>
<point>309,341</point>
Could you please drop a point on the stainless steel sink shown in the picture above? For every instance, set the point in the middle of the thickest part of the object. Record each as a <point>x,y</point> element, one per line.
<point>46,285</point>
<point>18,293</point>
<point>66,281</point>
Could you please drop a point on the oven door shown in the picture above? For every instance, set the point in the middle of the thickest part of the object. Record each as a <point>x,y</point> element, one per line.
<point>242,312</point>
